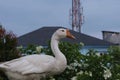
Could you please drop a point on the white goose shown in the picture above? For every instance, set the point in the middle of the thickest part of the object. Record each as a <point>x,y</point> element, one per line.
<point>34,67</point>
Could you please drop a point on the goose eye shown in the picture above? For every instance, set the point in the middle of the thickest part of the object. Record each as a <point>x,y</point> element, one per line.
<point>62,30</point>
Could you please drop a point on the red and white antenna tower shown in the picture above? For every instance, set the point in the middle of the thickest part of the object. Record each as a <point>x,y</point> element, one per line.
<point>77,15</point>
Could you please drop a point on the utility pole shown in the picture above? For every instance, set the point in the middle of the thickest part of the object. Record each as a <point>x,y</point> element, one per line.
<point>77,15</point>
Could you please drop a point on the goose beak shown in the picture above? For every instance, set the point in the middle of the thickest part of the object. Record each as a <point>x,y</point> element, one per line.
<point>69,35</point>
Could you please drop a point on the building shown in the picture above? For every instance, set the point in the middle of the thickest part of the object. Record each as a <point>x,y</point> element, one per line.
<point>43,35</point>
<point>110,36</point>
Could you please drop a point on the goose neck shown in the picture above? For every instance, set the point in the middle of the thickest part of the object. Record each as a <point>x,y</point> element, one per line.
<point>55,49</point>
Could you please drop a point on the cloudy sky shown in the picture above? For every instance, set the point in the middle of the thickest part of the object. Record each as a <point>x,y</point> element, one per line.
<point>23,16</point>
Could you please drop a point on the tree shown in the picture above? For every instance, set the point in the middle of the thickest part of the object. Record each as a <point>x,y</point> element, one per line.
<point>8,44</point>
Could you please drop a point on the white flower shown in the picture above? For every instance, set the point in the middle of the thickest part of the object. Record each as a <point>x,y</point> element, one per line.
<point>19,47</point>
<point>29,51</point>
<point>82,44</point>
<point>107,73</point>
<point>79,73</point>
<point>85,65</point>
<point>69,67</point>
<point>86,73</point>
<point>38,49</point>
<point>98,54</point>
<point>52,78</point>
<point>75,64</point>
<point>90,74</point>
<point>74,78</point>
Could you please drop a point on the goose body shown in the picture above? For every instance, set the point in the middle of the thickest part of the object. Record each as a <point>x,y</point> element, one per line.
<point>34,67</point>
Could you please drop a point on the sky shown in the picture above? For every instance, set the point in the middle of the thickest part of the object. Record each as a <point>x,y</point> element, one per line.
<point>24,16</point>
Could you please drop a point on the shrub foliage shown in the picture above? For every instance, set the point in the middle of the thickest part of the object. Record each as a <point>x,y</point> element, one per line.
<point>89,66</point>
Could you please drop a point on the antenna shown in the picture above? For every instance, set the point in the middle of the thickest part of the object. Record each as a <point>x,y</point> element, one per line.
<point>76,15</point>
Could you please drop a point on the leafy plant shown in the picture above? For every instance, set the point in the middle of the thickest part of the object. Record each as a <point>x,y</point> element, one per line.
<point>114,52</point>
<point>96,66</point>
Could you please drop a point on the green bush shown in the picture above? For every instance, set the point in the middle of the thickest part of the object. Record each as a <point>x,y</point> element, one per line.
<point>96,66</point>
<point>114,52</point>
<point>91,66</point>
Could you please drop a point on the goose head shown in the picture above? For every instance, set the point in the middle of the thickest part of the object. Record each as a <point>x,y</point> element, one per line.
<point>63,33</point>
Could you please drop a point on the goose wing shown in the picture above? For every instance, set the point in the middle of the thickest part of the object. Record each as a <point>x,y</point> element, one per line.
<point>29,64</point>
